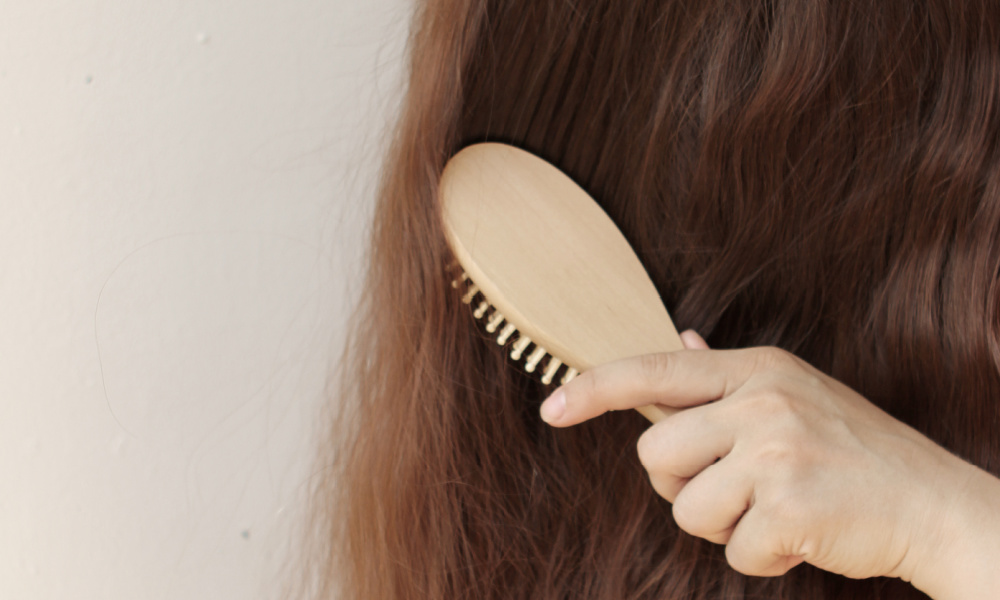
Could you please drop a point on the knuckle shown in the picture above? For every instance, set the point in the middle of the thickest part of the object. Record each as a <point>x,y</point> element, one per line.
<point>813,381</point>
<point>771,357</point>
<point>774,402</point>
<point>782,453</point>
<point>739,558</point>
<point>656,367</point>
<point>687,516</point>
<point>657,446</point>
<point>788,510</point>
<point>645,448</point>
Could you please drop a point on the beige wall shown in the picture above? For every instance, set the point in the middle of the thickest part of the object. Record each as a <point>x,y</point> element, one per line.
<point>183,185</point>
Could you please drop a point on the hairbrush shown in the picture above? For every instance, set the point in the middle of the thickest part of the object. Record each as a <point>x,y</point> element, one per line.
<point>546,268</point>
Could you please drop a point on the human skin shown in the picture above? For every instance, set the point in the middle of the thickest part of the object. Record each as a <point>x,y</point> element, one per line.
<point>784,464</point>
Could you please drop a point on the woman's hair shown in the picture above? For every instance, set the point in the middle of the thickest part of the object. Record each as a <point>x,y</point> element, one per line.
<point>817,175</point>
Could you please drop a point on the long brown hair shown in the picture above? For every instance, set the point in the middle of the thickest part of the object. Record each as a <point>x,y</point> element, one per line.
<point>818,175</point>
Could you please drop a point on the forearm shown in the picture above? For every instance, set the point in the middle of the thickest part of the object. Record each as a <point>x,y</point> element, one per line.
<point>963,561</point>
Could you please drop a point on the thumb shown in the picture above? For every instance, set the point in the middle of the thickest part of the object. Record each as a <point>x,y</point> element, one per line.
<point>693,341</point>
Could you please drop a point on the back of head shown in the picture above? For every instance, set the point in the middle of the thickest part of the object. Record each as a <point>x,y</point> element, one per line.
<point>821,176</point>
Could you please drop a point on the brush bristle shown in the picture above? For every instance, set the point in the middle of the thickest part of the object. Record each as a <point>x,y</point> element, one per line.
<point>470,292</point>
<point>550,370</point>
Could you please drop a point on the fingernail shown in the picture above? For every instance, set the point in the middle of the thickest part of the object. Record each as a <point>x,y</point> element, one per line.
<point>554,407</point>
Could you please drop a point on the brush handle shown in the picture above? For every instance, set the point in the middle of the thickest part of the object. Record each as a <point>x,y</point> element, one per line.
<point>656,412</point>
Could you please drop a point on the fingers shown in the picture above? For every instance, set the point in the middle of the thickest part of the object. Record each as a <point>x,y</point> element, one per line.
<point>693,463</point>
<point>690,463</point>
<point>693,341</point>
<point>753,548</point>
<point>712,487</point>
<point>690,455</point>
<point>717,504</point>
<point>702,459</point>
<point>676,449</point>
<point>711,504</point>
<point>675,379</point>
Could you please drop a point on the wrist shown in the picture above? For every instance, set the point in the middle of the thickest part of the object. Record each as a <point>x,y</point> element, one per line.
<point>958,557</point>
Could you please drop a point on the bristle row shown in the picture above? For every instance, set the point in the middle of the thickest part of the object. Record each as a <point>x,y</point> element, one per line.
<point>494,320</point>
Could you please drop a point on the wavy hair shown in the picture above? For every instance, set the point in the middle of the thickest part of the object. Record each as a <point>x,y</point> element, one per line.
<point>817,175</point>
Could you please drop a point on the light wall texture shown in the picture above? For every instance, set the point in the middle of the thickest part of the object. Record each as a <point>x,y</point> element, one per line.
<point>185,187</point>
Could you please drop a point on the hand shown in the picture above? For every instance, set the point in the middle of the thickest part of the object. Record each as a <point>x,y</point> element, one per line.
<point>780,462</point>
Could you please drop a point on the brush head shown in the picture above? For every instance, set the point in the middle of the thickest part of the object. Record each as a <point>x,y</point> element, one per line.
<point>550,261</point>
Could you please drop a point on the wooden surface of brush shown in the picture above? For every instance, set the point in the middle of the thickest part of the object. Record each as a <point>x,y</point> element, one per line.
<point>547,268</point>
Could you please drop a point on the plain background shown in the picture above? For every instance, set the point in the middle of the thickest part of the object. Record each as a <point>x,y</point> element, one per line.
<point>185,187</point>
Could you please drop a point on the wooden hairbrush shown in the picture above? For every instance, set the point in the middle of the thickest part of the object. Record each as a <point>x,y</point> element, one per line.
<point>542,260</point>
